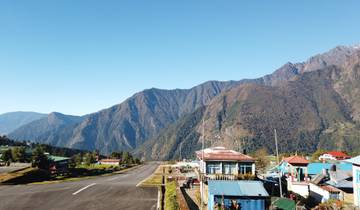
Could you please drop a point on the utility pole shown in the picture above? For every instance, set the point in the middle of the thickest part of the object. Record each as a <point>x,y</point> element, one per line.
<point>203,162</point>
<point>278,161</point>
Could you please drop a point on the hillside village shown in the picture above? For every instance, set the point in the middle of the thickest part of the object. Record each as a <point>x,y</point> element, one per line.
<point>221,178</point>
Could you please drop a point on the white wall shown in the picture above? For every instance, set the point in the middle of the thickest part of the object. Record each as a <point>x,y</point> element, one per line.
<point>298,188</point>
<point>356,184</point>
<point>319,194</point>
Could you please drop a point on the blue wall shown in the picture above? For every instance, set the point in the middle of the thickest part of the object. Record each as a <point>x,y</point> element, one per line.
<point>245,203</point>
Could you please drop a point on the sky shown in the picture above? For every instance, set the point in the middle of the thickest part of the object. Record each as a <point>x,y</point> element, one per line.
<point>81,56</point>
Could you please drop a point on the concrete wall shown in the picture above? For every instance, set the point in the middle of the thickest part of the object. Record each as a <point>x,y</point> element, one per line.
<point>300,188</point>
<point>321,195</point>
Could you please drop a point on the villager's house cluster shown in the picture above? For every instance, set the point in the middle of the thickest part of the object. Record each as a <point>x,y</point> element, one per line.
<point>319,182</point>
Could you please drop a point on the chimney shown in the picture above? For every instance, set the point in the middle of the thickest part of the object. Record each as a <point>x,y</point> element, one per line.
<point>244,151</point>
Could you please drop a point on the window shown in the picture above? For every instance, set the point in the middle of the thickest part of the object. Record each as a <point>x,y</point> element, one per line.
<point>357,176</point>
<point>213,168</point>
<point>229,168</point>
<point>245,169</point>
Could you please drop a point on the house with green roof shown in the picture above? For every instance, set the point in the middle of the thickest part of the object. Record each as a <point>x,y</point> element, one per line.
<point>58,164</point>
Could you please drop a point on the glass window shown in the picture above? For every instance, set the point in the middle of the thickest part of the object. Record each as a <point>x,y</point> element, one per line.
<point>229,168</point>
<point>213,168</point>
<point>245,169</point>
<point>357,176</point>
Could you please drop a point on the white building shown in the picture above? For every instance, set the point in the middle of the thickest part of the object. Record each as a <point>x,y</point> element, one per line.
<point>221,161</point>
<point>109,161</point>
<point>218,163</point>
<point>356,179</point>
<point>334,155</point>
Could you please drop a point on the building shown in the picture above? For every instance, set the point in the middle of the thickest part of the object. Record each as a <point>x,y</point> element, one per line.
<point>218,163</point>
<point>356,179</point>
<point>228,163</point>
<point>323,193</point>
<point>334,155</point>
<point>249,195</point>
<point>294,168</point>
<point>332,184</point>
<point>58,164</point>
<point>318,168</point>
<point>109,161</point>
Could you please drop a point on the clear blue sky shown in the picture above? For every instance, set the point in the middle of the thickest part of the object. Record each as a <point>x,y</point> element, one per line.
<point>80,56</point>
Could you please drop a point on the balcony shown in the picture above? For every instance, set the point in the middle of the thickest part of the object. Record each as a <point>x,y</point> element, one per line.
<point>229,177</point>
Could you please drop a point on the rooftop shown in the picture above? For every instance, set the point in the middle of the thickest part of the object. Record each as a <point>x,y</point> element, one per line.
<point>330,189</point>
<point>338,154</point>
<point>110,160</point>
<point>316,168</point>
<point>220,153</point>
<point>237,188</point>
<point>354,160</point>
<point>296,160</point>
<point>58,158</point>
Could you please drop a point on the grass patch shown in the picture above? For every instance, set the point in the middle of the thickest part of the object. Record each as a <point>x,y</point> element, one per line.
<point>156,178</point>
<point>4,177</point>
<point>38,176</point>
<point>25,176</point>
<point>98,166</point>
<point>170,196</point>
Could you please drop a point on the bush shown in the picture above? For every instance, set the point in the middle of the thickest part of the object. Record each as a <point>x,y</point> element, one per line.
<point>170,196</point>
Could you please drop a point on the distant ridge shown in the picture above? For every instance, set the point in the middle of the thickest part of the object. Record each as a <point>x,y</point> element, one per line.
<point>12,120</point>
<point>310,103</point>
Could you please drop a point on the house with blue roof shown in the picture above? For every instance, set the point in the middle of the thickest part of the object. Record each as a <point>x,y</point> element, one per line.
<point>244,194</point>
<point>318,168</point>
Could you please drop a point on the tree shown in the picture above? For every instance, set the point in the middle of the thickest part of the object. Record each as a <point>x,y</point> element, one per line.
<point>7,156</point>
<point>89,158</point>
<point>78,159</point>
<point>127,158</point>
<point>116,155</point>
<point>262,161</point>
<point>19,154</point>
<point>137,161</point>
<point>40,160</point>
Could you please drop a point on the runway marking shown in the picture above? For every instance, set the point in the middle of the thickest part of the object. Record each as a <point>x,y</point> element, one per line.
<point>112,179</point>
<point>84,188</point>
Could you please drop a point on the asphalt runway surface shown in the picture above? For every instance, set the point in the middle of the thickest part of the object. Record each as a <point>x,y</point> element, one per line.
<point>101,193</point>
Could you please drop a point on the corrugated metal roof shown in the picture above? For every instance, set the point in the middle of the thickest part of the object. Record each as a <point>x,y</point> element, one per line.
<point>316,168</point>
<point>237,188</point>
<point>58,158</point>
<point>285,204</point>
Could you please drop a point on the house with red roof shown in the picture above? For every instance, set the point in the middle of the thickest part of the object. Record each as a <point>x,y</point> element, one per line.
<point>294,167</point>
<point>295,170</point>
<point>334,155</point>
<point>109,161</point>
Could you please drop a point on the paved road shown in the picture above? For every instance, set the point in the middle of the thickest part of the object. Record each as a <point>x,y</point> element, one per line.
<point>103,193</point>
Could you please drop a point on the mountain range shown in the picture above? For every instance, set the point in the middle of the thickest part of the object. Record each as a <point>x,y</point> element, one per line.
<point>13,120</point>
<point>313,104</point>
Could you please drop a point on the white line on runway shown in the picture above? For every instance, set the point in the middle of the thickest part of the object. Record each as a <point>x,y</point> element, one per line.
<point>112,179</point>
<point>84,188</point>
